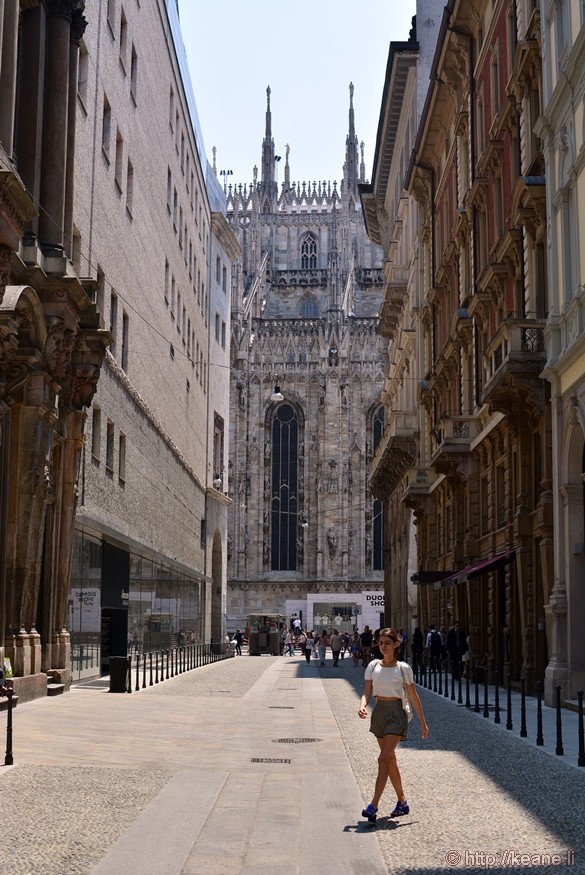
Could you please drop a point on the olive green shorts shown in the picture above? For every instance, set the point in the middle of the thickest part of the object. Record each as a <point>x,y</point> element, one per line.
<point>388,718</point>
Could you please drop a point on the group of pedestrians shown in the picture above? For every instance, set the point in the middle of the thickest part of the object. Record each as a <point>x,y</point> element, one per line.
<point>431,648</point>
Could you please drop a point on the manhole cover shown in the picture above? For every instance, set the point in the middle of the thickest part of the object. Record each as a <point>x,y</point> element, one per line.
<point>296,740</point>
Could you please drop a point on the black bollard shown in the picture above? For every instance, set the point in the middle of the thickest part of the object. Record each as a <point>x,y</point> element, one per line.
<point>497,699</point>
<point>581,759</point>
<point>539,735</point>
<point>523,730</point>
<point>143,670</point>
<point>137,686</point>
<point>452,684</point>
<point>559,750</point>
<point>467,699</point>
<point>446,677</point>
<point>150,667</point>
<point>486,707</point>
<point>156,655</point>
<point>476,705</point>
<point>459,687</point>
<point>435,675</point>
<point>168,653</point>
<point>509,724</point>
<point>9,759</point>
<point>440,690</point>
<point>129,675</point>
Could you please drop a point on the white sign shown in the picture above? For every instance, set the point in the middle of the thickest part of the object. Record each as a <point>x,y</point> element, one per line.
<point>86,610</point>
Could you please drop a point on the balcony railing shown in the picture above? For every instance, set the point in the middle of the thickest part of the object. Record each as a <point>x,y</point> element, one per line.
<point>516,353</point>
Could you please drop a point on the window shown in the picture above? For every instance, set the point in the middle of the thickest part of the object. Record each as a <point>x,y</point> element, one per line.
<point>223,334</point>
<point>133,74</point>
<point>122,458</point>
<point>178,311</point>
<point>119,157</point>
<point>217,324</point>
<point>175,207</point>
<point>110,446</point>
<point>171,109</point>
<point>76,250</point>
<point>309,252</point>
<point>183,153</point>
<point>169,189</point>
<point>82,71</point>
<point>113,321</point>
<point>224,279</point>
<point>96,437</point>
<point>124,341</point>
<point>123,39</point>
<point>173,293</point>
<point>129,187</point>
<point>282,487</point>
<point>167,281</point>
<point>218,433</point>
<point>218,270</point>
<point>106,127</point>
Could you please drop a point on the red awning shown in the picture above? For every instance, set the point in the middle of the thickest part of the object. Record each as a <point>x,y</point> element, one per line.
<point>478,568</point>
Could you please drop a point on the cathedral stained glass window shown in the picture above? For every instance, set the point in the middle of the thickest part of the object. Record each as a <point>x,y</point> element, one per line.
<point>284,498</point>
<point>309,252</point>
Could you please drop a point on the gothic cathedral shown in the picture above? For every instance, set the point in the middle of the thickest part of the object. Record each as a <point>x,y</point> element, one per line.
<point>307,370</point>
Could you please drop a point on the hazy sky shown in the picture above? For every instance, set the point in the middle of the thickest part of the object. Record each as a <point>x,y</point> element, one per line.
<point>307,51</point>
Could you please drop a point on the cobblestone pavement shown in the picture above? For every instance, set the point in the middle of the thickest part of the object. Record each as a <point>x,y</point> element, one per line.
<point>475,792</point>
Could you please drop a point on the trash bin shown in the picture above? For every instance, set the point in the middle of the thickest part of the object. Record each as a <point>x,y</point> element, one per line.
<point>118,674</point>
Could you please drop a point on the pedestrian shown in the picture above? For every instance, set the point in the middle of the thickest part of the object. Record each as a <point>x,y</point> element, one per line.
<point>435,647</point>
<point>366,639</point>
<point>403,648</point>
<point>355,648</point>
<point>346,644</point>
<point>388,680</point>
<point>309,644</point>
<point>322,646</point>
<point>238,638</point>
<point>289,642</point>
<point>375,652</point>
<point>336,644</point>
<point>456,647</point>
<point>417,650</point>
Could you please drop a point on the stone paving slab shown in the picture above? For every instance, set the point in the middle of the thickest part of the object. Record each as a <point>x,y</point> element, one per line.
<point>167,781</point>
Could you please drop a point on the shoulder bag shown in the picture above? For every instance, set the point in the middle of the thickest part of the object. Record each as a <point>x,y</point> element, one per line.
<point>407,707</point>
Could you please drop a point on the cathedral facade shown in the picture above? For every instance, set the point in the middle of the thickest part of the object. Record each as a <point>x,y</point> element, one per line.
<point>307,369</point>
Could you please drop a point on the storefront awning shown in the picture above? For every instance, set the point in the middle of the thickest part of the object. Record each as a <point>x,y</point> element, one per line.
<point>430,576</point>
<point>482,566</point>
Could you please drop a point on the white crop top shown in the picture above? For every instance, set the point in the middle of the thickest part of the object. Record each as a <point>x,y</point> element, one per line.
<point>388,680</point>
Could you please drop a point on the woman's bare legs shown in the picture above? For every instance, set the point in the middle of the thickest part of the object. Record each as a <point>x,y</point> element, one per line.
<point>388,768</point>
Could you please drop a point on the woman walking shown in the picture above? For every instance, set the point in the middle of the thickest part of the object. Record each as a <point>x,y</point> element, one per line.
<point>386,679</point>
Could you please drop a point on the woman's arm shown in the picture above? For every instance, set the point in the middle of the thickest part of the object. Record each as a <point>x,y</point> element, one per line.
<point>366,695</point>
<point>416,704</point>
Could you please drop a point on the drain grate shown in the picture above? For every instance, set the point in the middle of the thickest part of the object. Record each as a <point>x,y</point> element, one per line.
<point>295,740</point>
<point>271,760</point>
<point>282,707</point>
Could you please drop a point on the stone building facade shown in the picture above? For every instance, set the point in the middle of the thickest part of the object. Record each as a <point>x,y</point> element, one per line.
<point>149,557</point>
<point>392,221</point>
<point>477,469</point>
<point>51,341</point>
<point>307,371</point>
<point>113,531</point>
<point>562,128</point>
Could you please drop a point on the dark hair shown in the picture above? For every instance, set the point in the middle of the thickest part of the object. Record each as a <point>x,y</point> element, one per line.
<point>388,632</point>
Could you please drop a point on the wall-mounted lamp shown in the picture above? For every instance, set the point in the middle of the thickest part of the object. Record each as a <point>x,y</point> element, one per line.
<point>304,522</point>
<point>277,394</point>
<point>217,481</point>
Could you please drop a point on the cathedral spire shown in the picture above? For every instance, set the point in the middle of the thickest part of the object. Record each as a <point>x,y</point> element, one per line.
<point>267,178</point>
<point>350,169</point>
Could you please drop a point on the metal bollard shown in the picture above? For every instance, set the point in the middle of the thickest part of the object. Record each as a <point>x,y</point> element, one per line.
<point>446,678</point>
<point>435,676</point>
<point>440,691</point>
<point>581,759</point>
<point>9,759</point>
<point>143,670</point>
<point>539,735</point>
<point>509,724</point>
<point>559,750</point>
<point>486,708</point>
<point>476,705</point>
<point>137,685</point>
<point>150,667</point>
<point>156,667</point>
<point>467,699</point>
<point>129,674</point>
<point>497,699</point>
<point>459,688</point>
<point>523,730</point>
